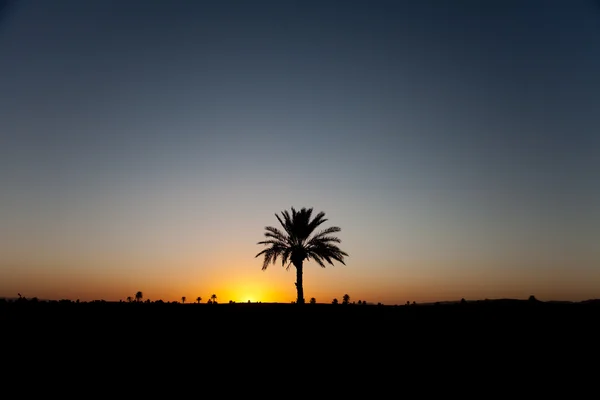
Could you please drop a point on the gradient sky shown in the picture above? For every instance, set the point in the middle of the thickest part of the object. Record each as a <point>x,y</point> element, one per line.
<point>145,145</point>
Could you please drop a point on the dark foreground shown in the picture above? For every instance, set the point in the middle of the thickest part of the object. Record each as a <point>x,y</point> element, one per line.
<point>494,318</point>
<point>508,344</point>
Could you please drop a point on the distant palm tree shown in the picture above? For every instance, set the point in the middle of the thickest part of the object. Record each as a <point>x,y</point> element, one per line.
<point>214,298</point>
<point>313,300</point>
<point>198,299</point>
<point>346,299</point>
<point>139,296</point>
<point>183,299</point>
<point>129,299</point>
<point>335,301</point>
<point>295,243</point>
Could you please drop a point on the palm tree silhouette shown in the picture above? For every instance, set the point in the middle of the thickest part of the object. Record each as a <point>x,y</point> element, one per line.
<point>295,243</point>
<point>198,299</point>
<point>129,299</point>
<point>139,296</point>
<point>183,299</point>
<point>346,299</point>
<point>313,300</point>
<point>214,298</point>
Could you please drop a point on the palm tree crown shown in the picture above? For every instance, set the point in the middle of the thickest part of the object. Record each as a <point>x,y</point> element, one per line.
<point>298,242</point>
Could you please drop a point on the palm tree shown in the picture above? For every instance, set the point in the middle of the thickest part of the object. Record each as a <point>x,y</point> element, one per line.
<point>214,298</point>
<point>129,299</point>
<point>183,299</point>
<point>334,301</point>
<point>139,296</point>
<point>198,299</point>
<point>295,244</point>
<point>346,299</point>
<point>313,300</point>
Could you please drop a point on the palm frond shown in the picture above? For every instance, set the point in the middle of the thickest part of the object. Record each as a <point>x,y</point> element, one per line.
<point>325,232</point>
<point>301,225</point>
<point>327,252</point>
<point>285,256</point>
<point>318,220</point>
<point>323,239</point>
<point>283,222</point>
<point>270,255</point>
<point>275,234</point>
<point>317,258</point>
<point>294,243</point>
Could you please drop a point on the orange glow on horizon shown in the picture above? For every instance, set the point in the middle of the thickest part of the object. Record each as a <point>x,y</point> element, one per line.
<point>240,279</point>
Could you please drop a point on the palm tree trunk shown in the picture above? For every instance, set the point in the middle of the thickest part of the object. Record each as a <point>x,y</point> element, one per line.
<point>299,287</point>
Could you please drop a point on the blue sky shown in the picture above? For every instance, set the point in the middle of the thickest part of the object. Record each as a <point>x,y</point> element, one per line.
<point>144,145</point>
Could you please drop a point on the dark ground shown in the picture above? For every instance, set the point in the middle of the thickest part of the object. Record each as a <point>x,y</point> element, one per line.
<point>190,322</point>
<point>489,348</point>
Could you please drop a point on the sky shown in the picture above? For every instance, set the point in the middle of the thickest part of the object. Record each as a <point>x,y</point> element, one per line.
<point>145,145</point>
